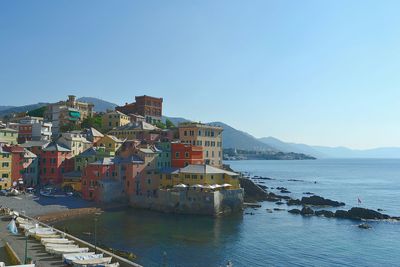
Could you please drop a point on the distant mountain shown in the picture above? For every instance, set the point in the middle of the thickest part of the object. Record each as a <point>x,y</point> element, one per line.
<point>6,107</point>
<point>292,147</point>
<point>233,138</point>
<point>99,104</point>
<point>332,152</point>
<point>26,108</point>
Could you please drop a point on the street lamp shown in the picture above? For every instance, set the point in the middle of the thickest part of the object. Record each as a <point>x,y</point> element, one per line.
<point>95,235</point>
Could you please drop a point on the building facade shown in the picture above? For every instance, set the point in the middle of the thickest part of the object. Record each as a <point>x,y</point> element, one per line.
<point>114,119</point>
<point>183,155</point>
<point>207,136</point>
<point>55,160</point>
<point>8,136</point>
<point>5,168</point>
<point>147,106</point>
<point>75,141</point>
<point>67,112</point>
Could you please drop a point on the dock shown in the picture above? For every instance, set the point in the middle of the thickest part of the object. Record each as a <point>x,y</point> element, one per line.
<point>37,252</point>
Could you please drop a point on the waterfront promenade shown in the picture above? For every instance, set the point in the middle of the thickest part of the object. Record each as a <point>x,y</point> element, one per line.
<point>35,250</point>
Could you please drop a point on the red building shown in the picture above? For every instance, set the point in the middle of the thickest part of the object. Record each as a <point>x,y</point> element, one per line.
<point>54,161</point>
<point>93,173</point>
<point>183,155</point>
<point>24,133</point>
<point>147,106</point>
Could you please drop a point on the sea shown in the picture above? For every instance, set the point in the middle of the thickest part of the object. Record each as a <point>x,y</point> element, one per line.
<point>261,238</point>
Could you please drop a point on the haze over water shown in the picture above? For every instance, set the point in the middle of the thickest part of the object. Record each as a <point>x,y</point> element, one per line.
<point>269,239</point>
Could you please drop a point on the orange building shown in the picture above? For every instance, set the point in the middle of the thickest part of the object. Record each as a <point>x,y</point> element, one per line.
<point>183,155</point>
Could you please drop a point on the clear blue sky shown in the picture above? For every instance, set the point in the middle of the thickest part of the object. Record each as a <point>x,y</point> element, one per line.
<point>316,72</point>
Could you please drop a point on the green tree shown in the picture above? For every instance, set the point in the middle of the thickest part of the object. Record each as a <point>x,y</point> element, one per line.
<point>94,122</point>
<point>169,124</point>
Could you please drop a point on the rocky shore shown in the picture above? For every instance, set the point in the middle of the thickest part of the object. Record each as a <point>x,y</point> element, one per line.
<point>257,193</point>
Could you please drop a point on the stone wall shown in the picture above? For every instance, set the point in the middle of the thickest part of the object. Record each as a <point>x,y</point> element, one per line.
<point>192,201</point>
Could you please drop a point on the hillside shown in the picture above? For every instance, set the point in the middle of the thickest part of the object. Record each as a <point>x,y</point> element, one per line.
<point>99,104</point>
<point>24,108</point>
<point>234,138</point>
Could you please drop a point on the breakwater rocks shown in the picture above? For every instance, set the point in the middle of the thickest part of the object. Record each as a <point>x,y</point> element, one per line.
<point>355,213</point>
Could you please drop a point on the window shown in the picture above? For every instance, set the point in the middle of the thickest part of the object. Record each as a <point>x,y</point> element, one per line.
<point>177,155</point>
<point>186,154</point>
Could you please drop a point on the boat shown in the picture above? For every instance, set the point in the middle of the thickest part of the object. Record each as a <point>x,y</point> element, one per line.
<point>21,220</point>
<point>46,193</point>
<point>41,231</point>
<point>60,251</point>
<point>69,258</point>
<point>92,262</point>
<point>26,226</point>
<point>115,264</point>
<point>40,236</point>
<point>50,248</point>
<point>45,241</point>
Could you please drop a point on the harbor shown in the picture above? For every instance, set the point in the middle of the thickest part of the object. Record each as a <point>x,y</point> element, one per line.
<point>29,241</point>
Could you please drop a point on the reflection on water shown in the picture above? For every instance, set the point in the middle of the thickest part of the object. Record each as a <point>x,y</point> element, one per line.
<point>138,231</point>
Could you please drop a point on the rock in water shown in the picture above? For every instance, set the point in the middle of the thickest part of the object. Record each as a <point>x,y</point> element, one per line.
<point>291,202</point>
<point>362,213</point>
<point>364,226</point>
<point>341,214</point>
<point>295,211</point>
<point>320,201</point>
<point>325,213</point>
<point>307,211</point>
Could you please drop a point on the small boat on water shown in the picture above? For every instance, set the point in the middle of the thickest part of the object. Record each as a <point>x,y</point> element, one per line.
<point>69,258</point>
<point>45,241</point>
<point>26,226</point>
<point>40,236</point>
<point>21,220</point>
<point>92,262</point>
<point>41,231</point>
<point>50,249</point>
<point>60,251</point>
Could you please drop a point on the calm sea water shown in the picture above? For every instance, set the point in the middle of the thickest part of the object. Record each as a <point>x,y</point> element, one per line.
<point>268,239</point>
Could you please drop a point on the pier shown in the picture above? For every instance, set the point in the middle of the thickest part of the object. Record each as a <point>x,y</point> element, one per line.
<point>36,251</point>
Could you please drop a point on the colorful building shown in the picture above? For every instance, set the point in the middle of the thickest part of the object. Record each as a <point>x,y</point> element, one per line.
<point>183,155</point>
<point>164,158</point>
<point>55,160</point>
<point>64,113</point>
<point>114,119</point>
<point>137,130</point>
<point>207,136</point>
<point>32,128</point>
<point>92,134</point>
<point>93,173</point>
<point>111,143</point>
<point>75,141</point>
<point>72,181</point>
<point>200,175</point>
<point>90,155</point>
<point>5,168</point>
<point>146,106</point>
<point>24,165</point>
<point>8,136</point>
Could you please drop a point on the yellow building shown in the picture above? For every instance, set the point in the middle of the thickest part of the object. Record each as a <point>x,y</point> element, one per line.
<point>207,136</point>
<point>204,175</point>
<point>72,181</point>
<point>5,169</point>
<point>136,130</point>
<point>8,136</point>
<point>111,143</point>
<point>114,119</point>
